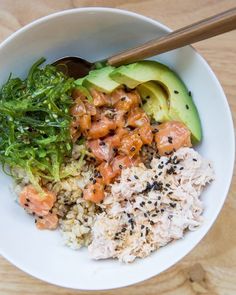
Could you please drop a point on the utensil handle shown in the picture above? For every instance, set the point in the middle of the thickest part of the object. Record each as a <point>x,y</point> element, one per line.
<point>204,29</point>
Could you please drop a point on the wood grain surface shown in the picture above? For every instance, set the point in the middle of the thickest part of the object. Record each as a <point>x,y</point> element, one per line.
<point>211,267</point>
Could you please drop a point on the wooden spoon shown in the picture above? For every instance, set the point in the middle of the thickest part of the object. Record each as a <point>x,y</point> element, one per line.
<point>221,23</point>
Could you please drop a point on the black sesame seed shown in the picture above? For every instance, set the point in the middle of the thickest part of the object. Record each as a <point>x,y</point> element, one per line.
<point>132,149</point>
<point>173,205</point>
<point>101,143</point>
<point>149,186</point>
<point>141,235</point>
<point>162,210</point>
<point>123,229</point>
<point>35,220</point>
<point>181,168</point>
<point>155,204</point>
<point>141,204</point>
<point>120,166</point>
<point>148,96</point>
<point>28,200</point>
<point>91,178</point>
<point>50,211</point>
<point>145,215</point>
<point>170,216</point>
<point>159,198</point>
<point>187,107</point>
<point>170,139</point>
<point>130,232</point>
<point>159,173</point>
<point>149,202</point>
<point>156,175</point>
<point>170,193</point>
<point>176,91</point>
<point>155,130</point>
<point>154,215</point>
<point>190,93</point>
<point>160,166</point>
<point>168,185</point>
<point>128,179</point>
<point>41,217</point>
<point>195,160</point>
<point>147,231</point>
<point>136,177</point>
<point>123,98</point>
<point>142,226</point>
<point>26,205</point>
<point>128,215</point>
<point>151,222</point>
<point>115,150</point>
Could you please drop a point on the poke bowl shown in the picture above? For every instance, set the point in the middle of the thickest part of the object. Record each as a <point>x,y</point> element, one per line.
<point>127,166</point>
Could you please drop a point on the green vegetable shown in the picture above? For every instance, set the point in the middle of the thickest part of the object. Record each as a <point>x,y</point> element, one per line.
<point>34,122</point>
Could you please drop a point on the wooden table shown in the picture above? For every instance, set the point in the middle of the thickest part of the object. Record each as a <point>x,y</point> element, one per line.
<point>211,267</point>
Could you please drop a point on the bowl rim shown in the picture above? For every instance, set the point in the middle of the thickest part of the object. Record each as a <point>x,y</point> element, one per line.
<point>224,100</point>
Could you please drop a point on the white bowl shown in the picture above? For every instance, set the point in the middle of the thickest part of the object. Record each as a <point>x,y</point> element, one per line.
<point>95,33</point>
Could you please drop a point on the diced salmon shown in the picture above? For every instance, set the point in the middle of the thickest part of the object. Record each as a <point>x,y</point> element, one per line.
<point>115,140</point>
<point>78,108</point>
<point>125,100</point>
<point>131,144</point>
<point>137,118</point>
<point>94,192</point>
<point>120,118</point>
<point>100,98</point>
<point>102,150</point>
<point>101,128</point>
<point>106,172</point>
<point>75,132</point>
<point>85,122</point>
<point>171,136</point>
<point>90,108</point>
<point>49,221</point>
<point>145,133</point>
<point>121,162</point>
<point>36,203</point>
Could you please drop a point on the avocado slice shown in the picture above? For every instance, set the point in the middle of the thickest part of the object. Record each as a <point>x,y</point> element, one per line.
<point>100,80</point>
<point>181,105</point>
<point>155,101</point>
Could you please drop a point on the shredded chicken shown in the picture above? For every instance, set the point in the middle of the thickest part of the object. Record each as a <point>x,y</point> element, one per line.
<point>148,208</point>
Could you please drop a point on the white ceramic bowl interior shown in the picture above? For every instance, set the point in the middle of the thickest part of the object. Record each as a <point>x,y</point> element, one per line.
<point>95,33</point>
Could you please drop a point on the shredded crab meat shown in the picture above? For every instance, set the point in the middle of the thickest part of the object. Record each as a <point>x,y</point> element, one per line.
<point>148,208</point>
